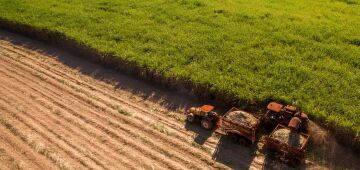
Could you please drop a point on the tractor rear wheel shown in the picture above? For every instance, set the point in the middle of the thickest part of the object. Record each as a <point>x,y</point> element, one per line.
<point>190,118</point>
<point>234,137</point>
<point>243,141</point>
<point>207,124</point>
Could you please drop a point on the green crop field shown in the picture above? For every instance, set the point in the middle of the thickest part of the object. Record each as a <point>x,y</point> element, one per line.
<point>303,52</point>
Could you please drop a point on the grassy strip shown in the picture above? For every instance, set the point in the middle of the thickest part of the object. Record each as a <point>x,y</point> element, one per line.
<point>242,52</point>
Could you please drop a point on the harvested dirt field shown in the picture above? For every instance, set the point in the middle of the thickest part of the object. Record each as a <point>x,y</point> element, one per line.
<point>58,111</point>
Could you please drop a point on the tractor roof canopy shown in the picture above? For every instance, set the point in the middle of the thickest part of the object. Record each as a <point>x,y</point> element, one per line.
<point>207,108</point>
<point>276,107</point>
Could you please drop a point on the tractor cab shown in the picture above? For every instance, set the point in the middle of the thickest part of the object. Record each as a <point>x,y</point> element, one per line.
<point>201,111</point>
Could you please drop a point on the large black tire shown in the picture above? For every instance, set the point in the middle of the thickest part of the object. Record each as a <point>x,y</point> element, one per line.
<point>190,118</point>
<point>207,124</point>
<point>294,162</point>
<point>305,126</point>
<point>243,141</point>
<point>233,137</point>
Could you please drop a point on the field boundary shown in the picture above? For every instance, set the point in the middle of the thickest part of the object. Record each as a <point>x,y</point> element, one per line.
<point>344,136</point>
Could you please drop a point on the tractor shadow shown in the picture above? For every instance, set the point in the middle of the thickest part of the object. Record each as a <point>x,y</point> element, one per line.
<point>240,157</point>
<point>226,152</point>
<point>234,155</point>
<point>201,134</point>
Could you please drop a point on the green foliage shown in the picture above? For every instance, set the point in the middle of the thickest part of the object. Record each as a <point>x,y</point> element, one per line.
<point>303,52</point>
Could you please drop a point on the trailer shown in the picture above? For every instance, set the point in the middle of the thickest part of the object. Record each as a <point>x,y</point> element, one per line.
<point>242,130</point>
<point>288,145</point>
<point>241,126</point>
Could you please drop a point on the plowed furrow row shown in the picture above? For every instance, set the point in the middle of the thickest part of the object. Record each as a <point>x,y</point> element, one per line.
<point>40,144</point>
<point>63,115</point>
<point>51,137</point>
<point>11,155</point>
<point>164,119</point>
<point>114,133</point>
<point>140,127</point>
<point>174,125</point>
<point>62,127</point>
<point>134,108</point>
<point>160,157</point>
<point>43,130</point>
<point>117,148</point>
<point>180,132</point>
<point>23,151</point>
<point>7,158</point>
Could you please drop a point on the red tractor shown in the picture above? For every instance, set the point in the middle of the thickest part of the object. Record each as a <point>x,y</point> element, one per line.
<point>286,115</point>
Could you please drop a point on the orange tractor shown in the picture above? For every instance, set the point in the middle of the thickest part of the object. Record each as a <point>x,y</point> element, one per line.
<point>285,115</point>
<point>204,114</point>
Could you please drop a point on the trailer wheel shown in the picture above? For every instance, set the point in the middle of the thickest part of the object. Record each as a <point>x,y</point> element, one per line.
<point>234,137</point>
<point>244,141</point>
<point>190,118</point>
<point>294,162</point>
<point>305,127</point>
<point>207,124</point>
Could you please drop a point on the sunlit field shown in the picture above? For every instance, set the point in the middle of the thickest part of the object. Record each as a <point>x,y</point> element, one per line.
<point>302,52</point>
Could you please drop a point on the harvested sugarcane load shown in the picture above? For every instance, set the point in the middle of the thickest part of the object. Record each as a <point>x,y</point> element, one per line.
<point>240,125</point>
<point>289,144</point>
<point>291,138</point>
<point>242,117</point>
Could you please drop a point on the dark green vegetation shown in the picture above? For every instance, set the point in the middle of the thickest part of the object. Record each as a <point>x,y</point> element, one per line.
<point>303,52</point>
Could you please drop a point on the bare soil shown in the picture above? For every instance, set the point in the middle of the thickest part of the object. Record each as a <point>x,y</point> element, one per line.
<point>58,111</point>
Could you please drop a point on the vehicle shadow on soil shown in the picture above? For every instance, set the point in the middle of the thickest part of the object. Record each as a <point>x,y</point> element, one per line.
<point>227,152</point>
<point>239,157</point>
<point>234,155</point>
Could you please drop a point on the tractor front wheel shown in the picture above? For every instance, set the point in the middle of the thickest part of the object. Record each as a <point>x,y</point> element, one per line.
<point>207,124</point>
<point>190,118</point>
<point>293,162</point>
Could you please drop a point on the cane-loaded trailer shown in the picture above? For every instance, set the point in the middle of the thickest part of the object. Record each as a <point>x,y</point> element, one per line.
<point>289,145</point>
<point>241,126</point>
